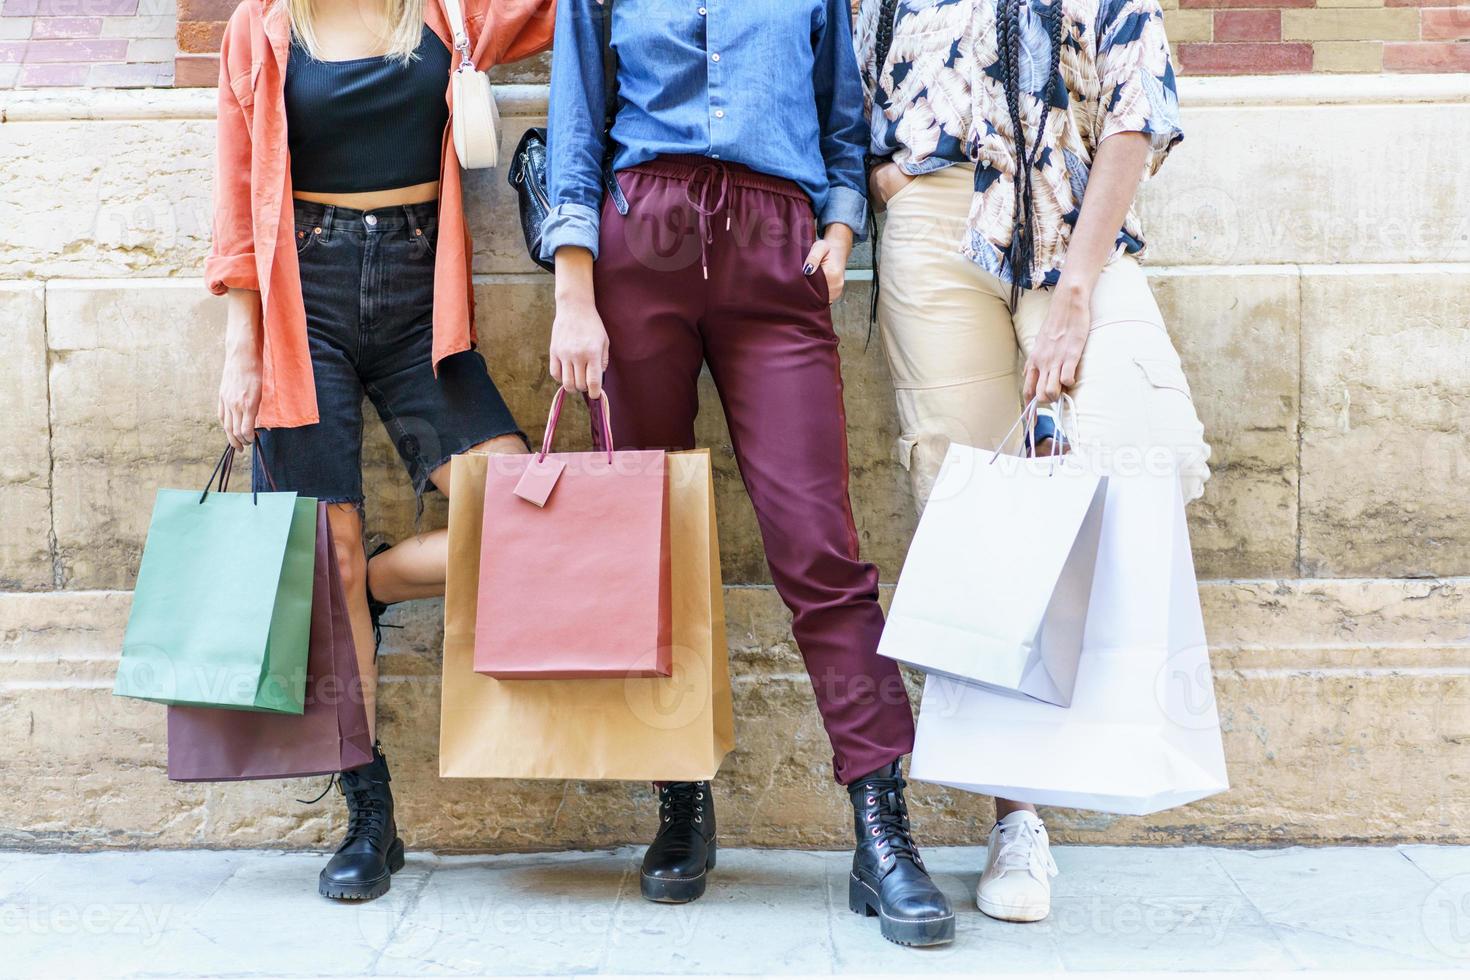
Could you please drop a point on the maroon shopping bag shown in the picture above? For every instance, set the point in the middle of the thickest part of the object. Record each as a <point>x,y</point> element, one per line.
<point>216,745</point>
<point>574,562</point>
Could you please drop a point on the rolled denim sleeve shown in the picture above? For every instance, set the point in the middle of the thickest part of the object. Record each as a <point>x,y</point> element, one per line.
<point>846,206</point>
<point>575,139</point>
<point>839,95</point>
<point>570,224</point>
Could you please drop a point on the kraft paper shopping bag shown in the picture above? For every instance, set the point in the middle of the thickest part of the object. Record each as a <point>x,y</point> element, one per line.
<point>642,728</point>
<point>1142,733</point>
<point>221,613</point>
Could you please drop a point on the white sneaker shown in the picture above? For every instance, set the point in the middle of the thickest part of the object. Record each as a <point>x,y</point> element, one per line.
<point>1016,885</point>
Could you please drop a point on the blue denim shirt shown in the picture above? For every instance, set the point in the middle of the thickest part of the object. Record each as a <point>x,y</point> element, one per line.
<point>771,84</point>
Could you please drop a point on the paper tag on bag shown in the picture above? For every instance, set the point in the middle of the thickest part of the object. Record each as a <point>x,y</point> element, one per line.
<point>539,480</point>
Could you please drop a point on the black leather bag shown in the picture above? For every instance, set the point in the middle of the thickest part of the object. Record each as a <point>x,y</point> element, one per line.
<point>529,164</point>
<point>528,177</point>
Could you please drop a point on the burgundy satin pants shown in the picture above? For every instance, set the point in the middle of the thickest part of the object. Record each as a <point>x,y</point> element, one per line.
<point>706,267</point>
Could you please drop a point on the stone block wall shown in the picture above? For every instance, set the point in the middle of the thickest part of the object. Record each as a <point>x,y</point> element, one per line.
<point>1321,321</point>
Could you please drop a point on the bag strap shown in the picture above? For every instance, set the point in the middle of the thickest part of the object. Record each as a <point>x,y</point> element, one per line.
<point>219,477</point>
<point>609,80</point>
<point>221,472</point>
<point>604,410</point>
<point>258,468</point>
<point>460,32</point>
<point>1027,424</point>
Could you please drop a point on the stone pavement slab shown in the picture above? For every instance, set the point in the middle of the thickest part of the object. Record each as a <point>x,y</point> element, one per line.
<point>1134,910</point>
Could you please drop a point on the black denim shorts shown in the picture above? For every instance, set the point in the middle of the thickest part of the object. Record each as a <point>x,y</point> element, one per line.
<point>368,281</point>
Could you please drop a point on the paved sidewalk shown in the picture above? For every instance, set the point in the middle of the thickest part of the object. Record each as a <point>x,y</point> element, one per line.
<point>255,913</point>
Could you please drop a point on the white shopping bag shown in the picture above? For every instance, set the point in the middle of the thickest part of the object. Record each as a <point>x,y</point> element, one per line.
<point>1142,733</point>
<point>994,589</point>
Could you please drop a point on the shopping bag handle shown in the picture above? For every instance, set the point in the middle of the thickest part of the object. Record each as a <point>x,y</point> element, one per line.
<point>221,473</point>
<point>603,410</point>
<point>1028,420</point>
<point>219,477</point>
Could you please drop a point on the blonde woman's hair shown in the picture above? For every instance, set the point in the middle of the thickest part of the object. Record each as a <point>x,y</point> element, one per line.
<point>405,20</point>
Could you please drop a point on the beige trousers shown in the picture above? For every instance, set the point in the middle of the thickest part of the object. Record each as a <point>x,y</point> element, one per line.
<point>955,351</point>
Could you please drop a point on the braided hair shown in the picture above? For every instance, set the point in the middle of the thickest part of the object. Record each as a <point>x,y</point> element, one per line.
<point>887,17</point>
<point>1022,248</point>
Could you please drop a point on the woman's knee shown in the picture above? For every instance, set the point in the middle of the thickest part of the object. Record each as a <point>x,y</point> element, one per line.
<point>511,444</point>
<point>346,521</point>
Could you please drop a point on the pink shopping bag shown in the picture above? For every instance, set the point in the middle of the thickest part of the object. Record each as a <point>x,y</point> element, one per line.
<point>574,562</point>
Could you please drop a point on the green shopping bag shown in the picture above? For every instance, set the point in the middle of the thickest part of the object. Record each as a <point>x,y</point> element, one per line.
<point>221,613</point>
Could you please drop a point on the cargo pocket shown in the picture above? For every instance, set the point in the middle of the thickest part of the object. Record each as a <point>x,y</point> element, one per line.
<point>1164,374</point>
<point>1175,423</point>
<point>903,451</point>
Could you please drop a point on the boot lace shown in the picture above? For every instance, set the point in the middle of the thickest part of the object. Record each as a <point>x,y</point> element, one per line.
<point>367,817</point>
<point>681,801</point>
<point>890,821</point>
<point>366,813</point>
<point>333,780</point>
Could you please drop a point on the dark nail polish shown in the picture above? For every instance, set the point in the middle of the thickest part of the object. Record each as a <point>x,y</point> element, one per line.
<point>808,269</point>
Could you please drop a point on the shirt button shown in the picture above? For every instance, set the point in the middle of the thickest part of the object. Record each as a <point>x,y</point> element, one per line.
<point>371,219</point>
<point>719,113</point>
<point>715,56</point>
<point>702,11</point>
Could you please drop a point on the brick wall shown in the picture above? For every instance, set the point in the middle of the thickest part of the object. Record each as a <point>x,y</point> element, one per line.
<point>102,43</point>
<point>202,21</point>
<point>1256,37</point>
<point>201,25</point>
<point>132,42</point>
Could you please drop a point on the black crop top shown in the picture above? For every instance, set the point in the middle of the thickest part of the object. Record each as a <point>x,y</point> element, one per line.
<point>369,124</point>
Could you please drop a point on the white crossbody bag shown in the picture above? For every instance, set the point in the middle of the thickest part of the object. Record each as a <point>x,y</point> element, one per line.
<point>476,119</point>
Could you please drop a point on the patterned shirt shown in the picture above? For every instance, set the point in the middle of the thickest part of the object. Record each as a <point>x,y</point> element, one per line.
<point>939,100</point>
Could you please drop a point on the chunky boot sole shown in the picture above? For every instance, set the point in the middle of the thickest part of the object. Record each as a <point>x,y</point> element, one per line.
<point>906,932</point>
<point>676,891</point>
<point>367,890</point>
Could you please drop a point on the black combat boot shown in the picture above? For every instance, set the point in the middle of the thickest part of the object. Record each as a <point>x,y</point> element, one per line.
<point>679,859</point>
<point>363,866</point>
<point>377,609</point>
<point>888,877</point>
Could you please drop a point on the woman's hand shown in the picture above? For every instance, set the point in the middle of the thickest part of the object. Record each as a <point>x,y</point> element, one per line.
<point>1116,169</point>
<point>579,347</point>
<point>830,254</point>
<point>239,386</point>
<point>884,182</point>
<point>1052,367</point>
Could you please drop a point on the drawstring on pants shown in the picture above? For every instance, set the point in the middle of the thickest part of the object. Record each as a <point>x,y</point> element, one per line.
<point>711,177</point>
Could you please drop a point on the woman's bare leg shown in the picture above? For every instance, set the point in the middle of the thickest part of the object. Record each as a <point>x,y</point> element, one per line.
<point>415,567</point>
<point>346,522</point>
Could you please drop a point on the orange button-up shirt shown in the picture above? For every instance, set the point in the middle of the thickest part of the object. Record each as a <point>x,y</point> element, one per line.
<point>254,224</point>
